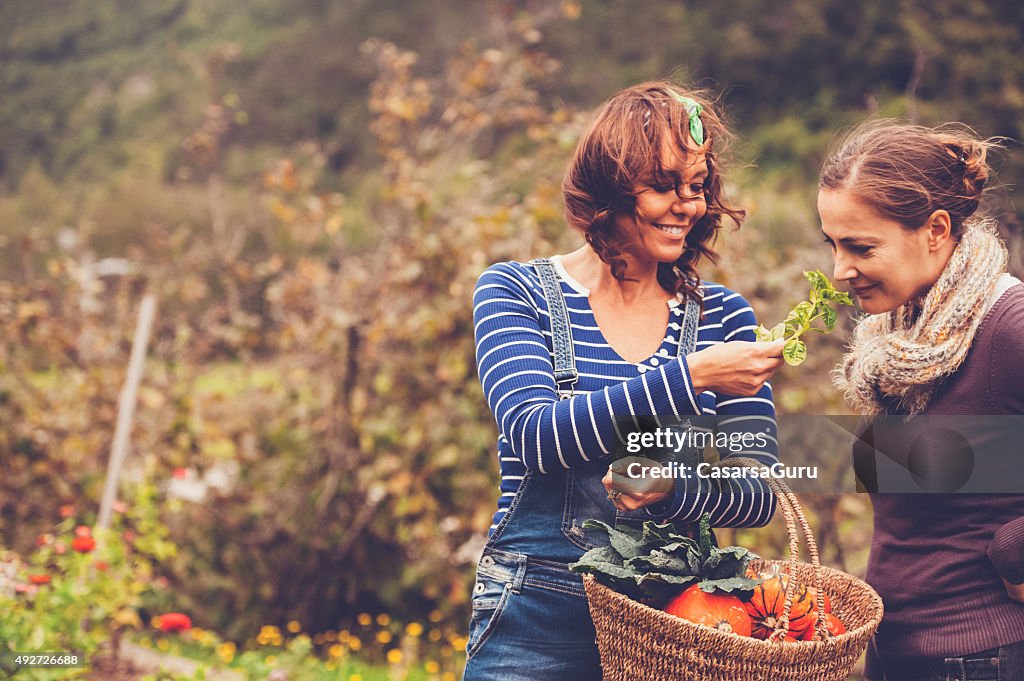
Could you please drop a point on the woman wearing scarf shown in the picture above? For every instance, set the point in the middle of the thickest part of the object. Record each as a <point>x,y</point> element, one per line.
<point>943,337</point>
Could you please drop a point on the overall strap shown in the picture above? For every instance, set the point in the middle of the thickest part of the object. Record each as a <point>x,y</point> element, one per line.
<point>561,333</point>
<point>688,334</point>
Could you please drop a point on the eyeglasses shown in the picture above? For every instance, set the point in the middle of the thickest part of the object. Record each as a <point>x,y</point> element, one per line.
<point>697,195</point>
<point>693,195</point>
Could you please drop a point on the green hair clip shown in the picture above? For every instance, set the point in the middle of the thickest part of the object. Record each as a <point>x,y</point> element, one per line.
<point>693,110</point>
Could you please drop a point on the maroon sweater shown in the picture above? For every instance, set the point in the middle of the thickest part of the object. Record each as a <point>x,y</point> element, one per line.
<point>937,559</point>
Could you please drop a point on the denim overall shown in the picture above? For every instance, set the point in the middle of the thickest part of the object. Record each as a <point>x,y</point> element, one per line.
<point>530,616</point>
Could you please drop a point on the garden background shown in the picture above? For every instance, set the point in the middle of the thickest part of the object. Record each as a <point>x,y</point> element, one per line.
<point>310,189</point>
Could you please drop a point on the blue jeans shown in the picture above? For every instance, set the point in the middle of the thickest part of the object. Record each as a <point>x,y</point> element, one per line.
<point>530,621</point>
<point>998,664</point>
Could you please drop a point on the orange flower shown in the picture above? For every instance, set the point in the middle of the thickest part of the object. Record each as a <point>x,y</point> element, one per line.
<point>39,579</point>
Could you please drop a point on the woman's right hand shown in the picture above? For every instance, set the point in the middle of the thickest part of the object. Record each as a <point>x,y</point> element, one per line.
<point>735,368</point>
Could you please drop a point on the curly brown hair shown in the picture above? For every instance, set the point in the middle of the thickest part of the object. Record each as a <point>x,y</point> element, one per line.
<point>620,152</point>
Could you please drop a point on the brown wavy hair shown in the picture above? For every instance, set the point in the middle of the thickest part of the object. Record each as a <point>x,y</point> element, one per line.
<point>907,172</point>
<point>620,151</point>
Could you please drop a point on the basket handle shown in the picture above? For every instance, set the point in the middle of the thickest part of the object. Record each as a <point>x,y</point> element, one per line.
<point>796,524</point>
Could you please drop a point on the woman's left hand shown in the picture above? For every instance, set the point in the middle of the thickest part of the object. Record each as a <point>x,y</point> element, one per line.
<point>1015,591</point>
<point>630,492</point>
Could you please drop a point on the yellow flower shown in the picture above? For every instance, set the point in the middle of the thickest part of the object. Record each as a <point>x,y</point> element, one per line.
<point>294,627</point>
<point>354,643</point>
<point>355,677</point>
<point>271,660</point>
<point>394,656</point>
<point>384,637</point>
<point>331,635</point>
<point>414,629</point>
<point>432,667</point>
<point>226,651</point>
<point>383,619</point>
<point>337,650</point>
<point>448,676</point>
<point>344,636</point>
<point>435,635</point>
<point>163,645</point>
<point>435,616</point>
<point>364,620</point>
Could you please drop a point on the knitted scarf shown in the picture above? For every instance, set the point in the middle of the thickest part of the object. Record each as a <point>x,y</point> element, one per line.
<point>902,356</point>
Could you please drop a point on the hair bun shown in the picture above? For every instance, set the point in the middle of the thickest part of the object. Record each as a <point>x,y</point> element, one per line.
<point>972,158</point>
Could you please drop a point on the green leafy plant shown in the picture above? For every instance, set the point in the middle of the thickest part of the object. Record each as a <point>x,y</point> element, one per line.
<point>654,563</point>
<point>802,317</point>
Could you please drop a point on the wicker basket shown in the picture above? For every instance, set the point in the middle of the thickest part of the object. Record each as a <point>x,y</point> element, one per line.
<point>640,643</point>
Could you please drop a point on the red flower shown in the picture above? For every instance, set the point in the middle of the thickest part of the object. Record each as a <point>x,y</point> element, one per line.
<point>44,539</point>
<point>101,565</point>
<point>39,579</point>
<point>180,473</point>
<point>83,531</point>
<point>83,543</point>
<point>66,511</point>
<point>174,622</point>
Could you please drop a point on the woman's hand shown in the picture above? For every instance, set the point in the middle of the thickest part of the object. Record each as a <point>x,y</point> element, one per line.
<point>629,488</point>
<point>735,368</point>
<point>1015,591</point>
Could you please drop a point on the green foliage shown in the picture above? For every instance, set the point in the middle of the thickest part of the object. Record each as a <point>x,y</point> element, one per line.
<point>653,564</point>
<point>69,596</point>
<point>802,317</point>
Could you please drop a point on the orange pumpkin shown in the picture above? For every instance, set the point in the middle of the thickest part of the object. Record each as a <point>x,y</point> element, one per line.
<point>767,603</point>
<point>833,625</point>
<point>717,610</point>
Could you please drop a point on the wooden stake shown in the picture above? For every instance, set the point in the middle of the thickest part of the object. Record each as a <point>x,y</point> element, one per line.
<point>126,407</point>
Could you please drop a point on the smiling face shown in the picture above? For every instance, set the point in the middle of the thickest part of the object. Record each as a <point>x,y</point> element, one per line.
<point>885,264</point>
<point>667,207</point>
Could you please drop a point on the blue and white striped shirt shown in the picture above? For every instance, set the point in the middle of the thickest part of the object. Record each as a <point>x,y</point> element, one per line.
<point>542,434</point>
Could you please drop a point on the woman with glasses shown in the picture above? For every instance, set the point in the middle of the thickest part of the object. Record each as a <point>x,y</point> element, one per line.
<point>576,351</point>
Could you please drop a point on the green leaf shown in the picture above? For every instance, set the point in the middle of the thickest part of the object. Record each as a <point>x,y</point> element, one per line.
<point>795,352</point>
<point>603,560</point>
<point>762,334</point>
<point>830,317</point>
<point>729,585</point>
<point>819,282</point>
<point>662,561</point>
<point>627,541</point>
<point>803,312</point>
<point>778,331</point>
<point>705,537</point>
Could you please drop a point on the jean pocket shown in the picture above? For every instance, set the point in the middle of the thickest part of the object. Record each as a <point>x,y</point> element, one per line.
<point>495,579</point>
